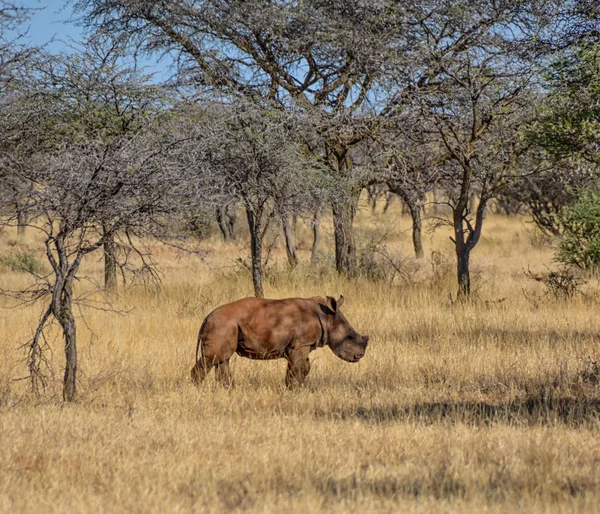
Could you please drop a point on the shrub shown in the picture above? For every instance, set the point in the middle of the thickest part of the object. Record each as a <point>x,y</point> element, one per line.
<point>580,240</point>
<point>561,284</point>
<point>23,261</point>
<point>377,263</point>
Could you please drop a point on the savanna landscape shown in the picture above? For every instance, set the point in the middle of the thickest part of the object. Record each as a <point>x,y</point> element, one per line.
<point>490,405</point>
<point>425,172</point>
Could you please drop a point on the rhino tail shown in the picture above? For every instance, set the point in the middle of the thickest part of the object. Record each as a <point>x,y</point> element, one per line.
<point>200,338</point>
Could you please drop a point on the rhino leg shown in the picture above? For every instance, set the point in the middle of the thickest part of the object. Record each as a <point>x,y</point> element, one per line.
<point>223,374</point>
<point>218,345</point>
<point>201,369</point>
<point>298,367</point>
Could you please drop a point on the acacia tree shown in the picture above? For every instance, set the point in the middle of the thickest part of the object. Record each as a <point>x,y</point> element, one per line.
<point>320,57</point>
<point>413,169</point>
<point>15,59</point>
<point>12,52</point>
<point>411,182</point>
<point>248,155</point>
<point>102,99</point>
<point>467,93</point>
<point>87,186</point>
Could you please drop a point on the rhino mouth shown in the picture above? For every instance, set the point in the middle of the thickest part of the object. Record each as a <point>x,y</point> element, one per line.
<point>356,358</point>
<point>349,355</point>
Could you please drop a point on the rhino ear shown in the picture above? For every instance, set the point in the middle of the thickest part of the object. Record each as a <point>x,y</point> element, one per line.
<point>330,306</point>
<point>340,301</point>
<point>333,304</point>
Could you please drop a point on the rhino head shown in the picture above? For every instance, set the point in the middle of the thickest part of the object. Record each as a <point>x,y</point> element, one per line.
<point>345,342</point>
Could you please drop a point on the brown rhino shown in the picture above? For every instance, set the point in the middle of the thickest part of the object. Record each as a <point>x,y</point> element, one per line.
<point>274,329</point>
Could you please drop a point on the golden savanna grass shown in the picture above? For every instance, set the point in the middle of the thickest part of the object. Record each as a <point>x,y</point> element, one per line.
<point>488,406</point>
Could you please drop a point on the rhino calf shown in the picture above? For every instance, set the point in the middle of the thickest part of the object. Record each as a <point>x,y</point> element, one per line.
<point>290,329</point>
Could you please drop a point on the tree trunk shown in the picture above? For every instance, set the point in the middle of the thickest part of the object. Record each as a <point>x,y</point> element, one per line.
<point>62,309</point>
<point>412,202</point>
<point>230,217</point>
<point>463,273</point>
<point>343,206</point>
<point>67,322</point>
<point>417,224</point>
<point>21,220</point>
<point>256,251</point>
<point>343,227</point>
<point>372,198</point>
<point>388,201</point>
<point>316,228</point>
<point>110,262</point>
<point>466,231</point>
<point>290,248</point>
<point>223,223</point>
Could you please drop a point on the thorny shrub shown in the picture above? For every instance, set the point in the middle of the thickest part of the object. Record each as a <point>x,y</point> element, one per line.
<point>561,284</point>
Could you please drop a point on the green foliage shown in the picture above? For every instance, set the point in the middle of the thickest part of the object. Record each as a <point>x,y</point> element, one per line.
<point>570,126</point>
<point>24,261</point>
<point>580,241</point>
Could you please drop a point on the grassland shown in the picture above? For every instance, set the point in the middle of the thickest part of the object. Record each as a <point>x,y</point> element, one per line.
<point>490,406</point>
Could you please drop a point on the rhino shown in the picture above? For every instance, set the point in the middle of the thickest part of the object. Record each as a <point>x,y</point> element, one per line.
<point>258,328</point>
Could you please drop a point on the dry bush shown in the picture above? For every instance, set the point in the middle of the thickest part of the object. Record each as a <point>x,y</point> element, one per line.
<point>378,263</point>
<point>561,284</point>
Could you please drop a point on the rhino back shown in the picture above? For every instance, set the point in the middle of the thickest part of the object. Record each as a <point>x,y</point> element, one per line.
<point>268,327</point>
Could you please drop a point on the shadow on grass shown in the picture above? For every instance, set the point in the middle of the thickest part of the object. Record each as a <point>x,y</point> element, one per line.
<point>437,481</point>
<point>530,411</point>
<point>441,482</point>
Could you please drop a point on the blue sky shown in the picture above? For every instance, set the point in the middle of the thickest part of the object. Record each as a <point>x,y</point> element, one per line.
<point>51,24</point>
<point>50,21</point>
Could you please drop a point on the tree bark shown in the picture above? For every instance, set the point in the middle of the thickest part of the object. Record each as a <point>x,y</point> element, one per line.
<point>110,262</point>
<point>412,202</point>
<point>463,272</point>
<point>231,216</point>
<point>67,322</point>
<point>343,228</point>
<point>21,220</point>
<point>224,226</point>
<point>316,229</point>
<point>344,207</point>
<point>62,309</point>
<point>388,201</point>
<point>290,248</point>
<point>417,224</point>
<point>466,233</point>
<point>372,198</point>
<point>254,227</point>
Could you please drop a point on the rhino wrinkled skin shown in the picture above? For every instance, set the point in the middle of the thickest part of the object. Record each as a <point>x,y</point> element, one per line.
<point>258,328</point>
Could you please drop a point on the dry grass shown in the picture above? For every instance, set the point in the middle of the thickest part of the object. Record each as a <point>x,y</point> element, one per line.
<point>491,406</point>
